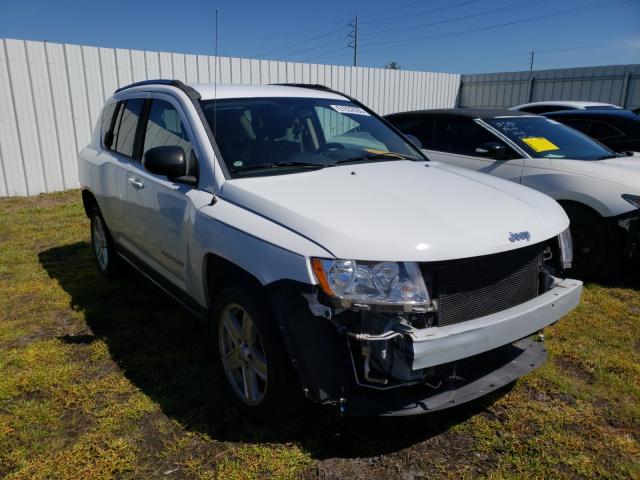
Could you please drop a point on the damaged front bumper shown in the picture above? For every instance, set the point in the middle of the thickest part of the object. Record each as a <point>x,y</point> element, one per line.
<point>421,370</point>
<point>459,383</point>
<point>438,345</point>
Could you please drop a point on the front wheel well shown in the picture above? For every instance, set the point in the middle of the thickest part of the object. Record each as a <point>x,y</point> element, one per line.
<point>571,204</point>
<point>89,202</point>
<point>220,272</point>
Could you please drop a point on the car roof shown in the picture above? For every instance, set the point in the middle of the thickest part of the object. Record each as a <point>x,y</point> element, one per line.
<point>210,91</point>
<point>619,113</point>
<point>467,112</point>
<point>565,103</point>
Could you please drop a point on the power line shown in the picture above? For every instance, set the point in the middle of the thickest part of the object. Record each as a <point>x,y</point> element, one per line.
<point>311,28</point>
<point>418,13</point>
<point>408,41</point>
<point>455,19</point>
<point>310,49</point>
<point>326,54</point>
<point>385,11</point>
<point>299,42</point>
<point>507,58</point>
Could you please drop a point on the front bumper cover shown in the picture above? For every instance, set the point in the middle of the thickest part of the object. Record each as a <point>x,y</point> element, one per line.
<point>471,358</point>
<point>439,345</point>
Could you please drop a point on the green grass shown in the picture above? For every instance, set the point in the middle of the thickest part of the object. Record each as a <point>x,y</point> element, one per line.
<point>106,379</point>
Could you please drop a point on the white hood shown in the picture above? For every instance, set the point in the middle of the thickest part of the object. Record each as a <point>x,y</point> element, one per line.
<point>401,210</point>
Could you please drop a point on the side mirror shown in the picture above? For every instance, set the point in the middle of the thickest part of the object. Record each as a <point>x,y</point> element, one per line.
<point>494,150</point>
<point>413,139</point>
<point>168,161</point>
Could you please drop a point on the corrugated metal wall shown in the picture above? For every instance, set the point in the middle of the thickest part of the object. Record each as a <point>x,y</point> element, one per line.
<point>617,84</point>
<point>51,94</point>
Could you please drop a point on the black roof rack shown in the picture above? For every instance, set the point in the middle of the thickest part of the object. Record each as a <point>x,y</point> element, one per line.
<point>190,92</point>
<point>313,86</point>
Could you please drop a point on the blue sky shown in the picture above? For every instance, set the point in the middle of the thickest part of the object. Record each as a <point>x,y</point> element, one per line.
<point>462,36</point>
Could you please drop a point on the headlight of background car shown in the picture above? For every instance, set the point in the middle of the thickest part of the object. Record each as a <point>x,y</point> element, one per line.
<point>566,248</point>
<point>632,199</point>
<point>387,286</point>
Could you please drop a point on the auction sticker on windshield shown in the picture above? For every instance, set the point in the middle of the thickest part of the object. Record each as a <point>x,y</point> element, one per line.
<point>349,110</point>
<point>540,144</point>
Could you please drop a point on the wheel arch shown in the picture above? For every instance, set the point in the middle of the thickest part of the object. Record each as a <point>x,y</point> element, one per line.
<point>581,205</point>
<point>219,271</point>
<point>88,202</point>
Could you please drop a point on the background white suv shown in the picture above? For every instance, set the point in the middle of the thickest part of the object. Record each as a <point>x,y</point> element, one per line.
<point>327,256</point>
<point>561,105</point>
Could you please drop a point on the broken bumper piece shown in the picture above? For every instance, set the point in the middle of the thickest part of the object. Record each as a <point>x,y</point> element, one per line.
<point>467,380</point>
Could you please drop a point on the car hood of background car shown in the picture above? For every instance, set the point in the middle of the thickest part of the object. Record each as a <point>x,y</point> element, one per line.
<point>401,210</point>
<point>621,170</point>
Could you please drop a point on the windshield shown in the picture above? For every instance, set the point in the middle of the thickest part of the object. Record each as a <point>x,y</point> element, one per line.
<point>255,135</point>
<point>545,138</point>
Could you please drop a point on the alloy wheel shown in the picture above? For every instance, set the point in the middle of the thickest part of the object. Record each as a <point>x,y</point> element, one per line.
<point>242,353</point>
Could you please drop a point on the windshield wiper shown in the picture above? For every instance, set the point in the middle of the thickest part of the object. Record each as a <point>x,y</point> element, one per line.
<point>265,166</point>
<point>376,156</point>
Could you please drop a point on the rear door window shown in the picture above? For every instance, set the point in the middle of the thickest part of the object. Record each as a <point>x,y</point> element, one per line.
<point>604,131</point>
<point>462,136</point>
<point>581,125</point>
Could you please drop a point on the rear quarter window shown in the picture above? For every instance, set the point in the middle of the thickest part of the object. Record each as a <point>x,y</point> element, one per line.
<point>106,122</point>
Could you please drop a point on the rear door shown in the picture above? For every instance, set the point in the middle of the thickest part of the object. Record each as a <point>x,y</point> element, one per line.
<point>161,207</point>
<point>106,179</point>
<point>123,152</point>
<point>460,141</point>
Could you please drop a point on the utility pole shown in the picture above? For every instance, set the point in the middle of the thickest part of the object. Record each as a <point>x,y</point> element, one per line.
<point>531,54</point>
<point>531,79</point>
<point>354,35</point>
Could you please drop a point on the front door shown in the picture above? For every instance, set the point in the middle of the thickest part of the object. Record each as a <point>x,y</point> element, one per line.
<point>162,208</point>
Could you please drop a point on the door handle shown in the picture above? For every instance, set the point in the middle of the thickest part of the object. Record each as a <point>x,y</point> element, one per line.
<point>136,183</point>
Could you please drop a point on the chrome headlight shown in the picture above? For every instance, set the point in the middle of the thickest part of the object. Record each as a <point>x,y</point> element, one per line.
<point>372,285</point>
<point>566,248</point>
<point>632,199</point>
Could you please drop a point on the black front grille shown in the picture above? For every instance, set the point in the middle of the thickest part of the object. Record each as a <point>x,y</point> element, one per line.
<point>475,287</point>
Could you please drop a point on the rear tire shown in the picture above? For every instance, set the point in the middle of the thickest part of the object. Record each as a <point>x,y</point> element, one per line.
<point>590,242</point>
<point>104,252</point>
<point>251,358</point>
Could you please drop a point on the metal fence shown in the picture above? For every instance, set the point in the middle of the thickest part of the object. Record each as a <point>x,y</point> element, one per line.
<point>51,94</point>
<point>617,84</point>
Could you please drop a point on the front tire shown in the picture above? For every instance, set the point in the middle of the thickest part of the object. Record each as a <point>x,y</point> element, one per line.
<point>590,243</point>
<point>251,359</point>
<point>104,251</point>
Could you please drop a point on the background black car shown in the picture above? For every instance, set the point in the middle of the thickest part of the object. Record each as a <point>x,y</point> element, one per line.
<point>617,129</point>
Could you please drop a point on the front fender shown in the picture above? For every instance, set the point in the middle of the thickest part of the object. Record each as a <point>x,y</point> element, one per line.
<point>267,251</point>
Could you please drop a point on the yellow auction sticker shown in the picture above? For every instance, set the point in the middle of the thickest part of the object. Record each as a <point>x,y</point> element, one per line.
<point>540,144</point>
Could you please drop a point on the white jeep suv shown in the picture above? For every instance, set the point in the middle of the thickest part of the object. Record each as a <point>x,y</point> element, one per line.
<point>328,257</point>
